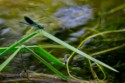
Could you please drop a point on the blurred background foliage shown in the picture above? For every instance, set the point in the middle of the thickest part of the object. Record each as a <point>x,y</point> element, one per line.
<point>71,21</point>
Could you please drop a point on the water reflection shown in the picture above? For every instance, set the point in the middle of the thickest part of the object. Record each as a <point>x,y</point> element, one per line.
<point>4,31</point>
<point>73,16</point>
<point>78,33</point>
<point>2,21</point>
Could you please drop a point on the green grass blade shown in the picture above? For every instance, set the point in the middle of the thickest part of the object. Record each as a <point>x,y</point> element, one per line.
<point>9,59</point>
<point>75,50</point>
<point>115,9</point>
<point>47,64</point>
<point>49,57</point>
<point>19,42</point>
<point>43,53</point>
<point>33,46</point>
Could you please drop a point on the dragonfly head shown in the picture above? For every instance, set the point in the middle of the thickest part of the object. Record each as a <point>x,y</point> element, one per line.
<point>32,23</point>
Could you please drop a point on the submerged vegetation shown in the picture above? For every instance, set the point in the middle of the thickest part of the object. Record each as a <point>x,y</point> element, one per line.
<point>94,27</point>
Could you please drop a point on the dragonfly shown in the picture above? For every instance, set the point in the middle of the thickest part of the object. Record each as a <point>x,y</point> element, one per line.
<point>30,22</point>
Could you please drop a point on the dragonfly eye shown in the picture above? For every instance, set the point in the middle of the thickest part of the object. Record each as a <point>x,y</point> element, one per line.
<point>27,19</point>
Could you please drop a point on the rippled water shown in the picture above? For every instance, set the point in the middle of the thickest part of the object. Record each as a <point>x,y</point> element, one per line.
<point>67,15</point>
<point>70,17</point>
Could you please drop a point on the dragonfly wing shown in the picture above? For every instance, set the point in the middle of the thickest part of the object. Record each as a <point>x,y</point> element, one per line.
<point>28,20</point>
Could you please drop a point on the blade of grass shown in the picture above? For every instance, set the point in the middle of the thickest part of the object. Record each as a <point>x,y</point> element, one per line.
<point>48,56</point>
<point>25,38</point>
<point>47,64</point>
<point>34,46</point>
<point>108,50</point>
<point>42,52</point>
<point>101,34</point>
<point>102,72</point>
<point>92,71</point>
<point>115,9</point>
<point>9,59</point>
<point>75,50</point>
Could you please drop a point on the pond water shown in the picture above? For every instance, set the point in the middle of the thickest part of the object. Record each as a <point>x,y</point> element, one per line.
<point>71,17</point>
<point>71,21</point>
